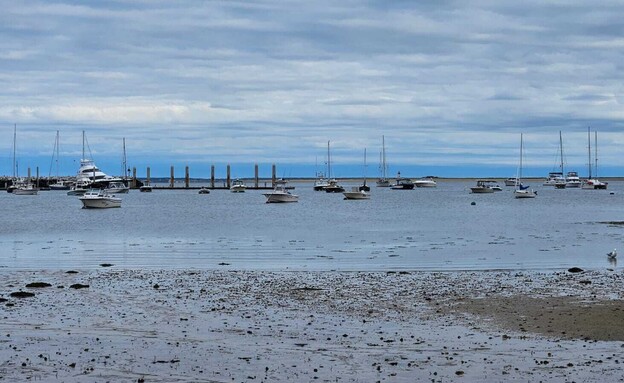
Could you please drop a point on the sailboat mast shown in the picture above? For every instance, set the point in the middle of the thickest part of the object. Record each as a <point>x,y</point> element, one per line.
<point>383,157</point>
<point>596,152</point>
<point>14,144</point>
<point>561,151</point>
<point>520,170</point>
<point>57,154</point>
<point>124,160</point>
<point>364,166</point>
<point>83,145</point>
<point>589,161</point>
<point>328,162</point>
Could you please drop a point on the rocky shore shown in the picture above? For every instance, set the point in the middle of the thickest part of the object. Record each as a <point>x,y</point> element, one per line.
<point>109,325</point>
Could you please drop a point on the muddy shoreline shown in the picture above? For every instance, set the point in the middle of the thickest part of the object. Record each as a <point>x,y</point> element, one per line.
<point>222,326</point>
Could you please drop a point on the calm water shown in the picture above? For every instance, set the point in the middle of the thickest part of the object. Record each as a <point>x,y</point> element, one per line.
<point>423,229</point>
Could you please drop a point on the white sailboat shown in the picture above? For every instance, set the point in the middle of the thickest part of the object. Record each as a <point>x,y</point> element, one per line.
<point>592,183</point>
<point>522,191</point>
<point>19,186</point>
<point>359,192</point>
<point>59,184</point>
<point>383,181</point>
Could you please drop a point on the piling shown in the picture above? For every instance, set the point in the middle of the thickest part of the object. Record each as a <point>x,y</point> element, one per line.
<point>227,177</point>
<point>37,179</point>
<point>273,175</point>
<point>134,179</point>
<point>212,176</point>
<point>256,179</point>
<point>148,176</point>
<point>187,179</point>
<point>172,179</point>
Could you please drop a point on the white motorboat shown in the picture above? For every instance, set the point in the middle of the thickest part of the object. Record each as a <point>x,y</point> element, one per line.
<point>593,183</point>
<point>204,190</point>
<point>511,181</point>
<point>522,191</point>
<point>116,187</point>
<point>485,186</point>
<point>554,178</point>
<point>27,189</point>
<point>572,181</point>
<point>356,193</point>
<point>99,199</point>
<point>280,194</point>
<point>145,189</point>
<point>60,185</point>
<point>238,186</point>
<point>425,183</point>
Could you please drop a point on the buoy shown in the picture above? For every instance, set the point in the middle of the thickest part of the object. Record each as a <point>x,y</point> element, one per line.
<point>473,203</point>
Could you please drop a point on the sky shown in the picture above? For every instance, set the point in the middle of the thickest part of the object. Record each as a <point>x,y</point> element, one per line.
<point>451,85</point>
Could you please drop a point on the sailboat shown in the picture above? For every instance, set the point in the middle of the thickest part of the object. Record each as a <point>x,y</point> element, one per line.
<point>557,179</point>
<point>333,186</point>
<point>522,191</point>
<point>60,184</point>
<point>592,183</point>
<point>20,187</point>
<point>362,191</point>
<point>364,186</point>
<point>120,186</point>
<point>13,186</point>
<point>383,167</point>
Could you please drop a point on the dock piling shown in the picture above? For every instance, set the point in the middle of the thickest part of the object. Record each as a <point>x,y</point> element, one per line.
<point>227,179</point>
<point>187,178</point>
<point>212,176</point>
<point>256,179</point>
<point>172,179</point>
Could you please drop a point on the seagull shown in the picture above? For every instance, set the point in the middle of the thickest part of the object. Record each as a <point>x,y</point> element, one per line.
<point>612,254</point>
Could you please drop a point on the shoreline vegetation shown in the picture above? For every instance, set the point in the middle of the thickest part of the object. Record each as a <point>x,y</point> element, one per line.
<point>111,324</point>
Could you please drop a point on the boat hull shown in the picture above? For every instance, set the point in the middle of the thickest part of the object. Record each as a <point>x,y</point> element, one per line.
<point>356,195</point>
<point>19,191</point>
<point>480,190</point>
<point>100,202</point>
<point>281,197</point>
<point>524,194</point>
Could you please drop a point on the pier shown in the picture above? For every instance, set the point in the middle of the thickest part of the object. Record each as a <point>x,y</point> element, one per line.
<point>213,183</point>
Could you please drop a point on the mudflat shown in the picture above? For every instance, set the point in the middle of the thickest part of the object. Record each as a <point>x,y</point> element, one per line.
<point>222,326</point>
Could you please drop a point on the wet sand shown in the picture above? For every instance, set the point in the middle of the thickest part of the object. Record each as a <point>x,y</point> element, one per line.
<point>218,326</point>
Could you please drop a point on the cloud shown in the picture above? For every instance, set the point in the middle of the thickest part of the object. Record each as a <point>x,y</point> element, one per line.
<point>447,81</point>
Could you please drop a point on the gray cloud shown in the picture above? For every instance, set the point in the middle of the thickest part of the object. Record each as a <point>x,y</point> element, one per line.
<point>276,79</point>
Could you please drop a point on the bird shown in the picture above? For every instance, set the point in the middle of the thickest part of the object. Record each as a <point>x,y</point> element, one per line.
<point>612,254</point>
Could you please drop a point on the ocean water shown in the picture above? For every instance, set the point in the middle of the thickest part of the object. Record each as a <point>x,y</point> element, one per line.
<point>422,229</point>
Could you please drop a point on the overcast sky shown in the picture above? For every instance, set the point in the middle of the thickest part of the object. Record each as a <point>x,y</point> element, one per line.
<point>451,84</point>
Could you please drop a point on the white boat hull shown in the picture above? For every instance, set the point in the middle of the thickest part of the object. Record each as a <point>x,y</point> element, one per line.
<point>356,195</point>
<point>238,189</point>
<point>100,202</point>
<point>278,197</point>
<point>524,194</point>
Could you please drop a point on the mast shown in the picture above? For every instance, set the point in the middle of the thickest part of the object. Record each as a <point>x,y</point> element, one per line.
<point>124,160</point>
<point>596,151</point>
<point>364,166</point>
<point>57,154</point>
<point>383,157</point>
<point>328,162</point>
<point>520,170</point>
<point>14,144</point>
<point>561,151</point>
<point>589,161</point>
<point>83,146</point>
